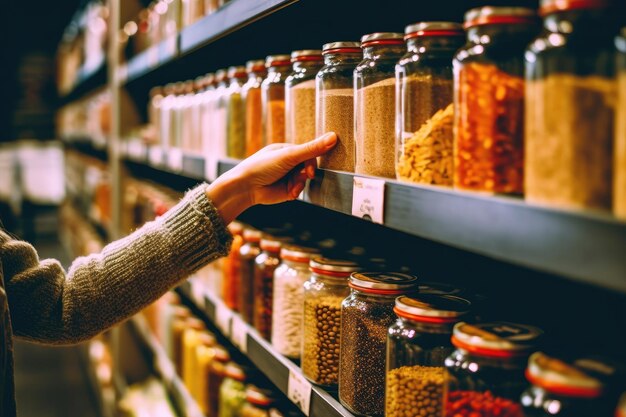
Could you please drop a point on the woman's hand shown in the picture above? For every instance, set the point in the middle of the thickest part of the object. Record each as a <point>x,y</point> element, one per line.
<point>275,174</point>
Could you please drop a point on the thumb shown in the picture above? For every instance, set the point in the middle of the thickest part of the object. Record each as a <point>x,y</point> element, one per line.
<point>310,150</point>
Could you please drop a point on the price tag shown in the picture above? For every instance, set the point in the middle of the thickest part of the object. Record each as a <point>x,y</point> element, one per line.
<point>299,391</point>
<point>175,159</point>
<point>223,318</point>
<point>155,155</point>
<point>368,199</point>
<point>239,334</point>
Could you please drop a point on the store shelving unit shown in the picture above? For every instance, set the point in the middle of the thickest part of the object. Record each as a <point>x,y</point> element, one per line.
<point>87,147</point>
<point>86,82</point>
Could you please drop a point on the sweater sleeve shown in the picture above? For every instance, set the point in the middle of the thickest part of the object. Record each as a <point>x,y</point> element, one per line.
<point>51,306</point>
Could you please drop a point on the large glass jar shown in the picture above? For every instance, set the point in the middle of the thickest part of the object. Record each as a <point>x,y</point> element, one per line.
<point>232,391</point>
<point>375,102</point>
<point>248,253</point>
<point>487,368</point>
<point>212,362</point>
<point>236,118</point>
<point>565,389</point>
<point>265,265</point>
<point>300,96</point>
<point>366,315</point>
<point>417,345</point>
<point>489,100</point>
<point>273,98</point>
<point>206,101</point>
<point>231,268</point>
<point>216,140</point>
<point>334,111</point>
<point>619,179</point>
<point>251,93</point>
<point>180,325</point>
<point>287,310</point>
<point>192,340</point>
<point>424,103</point>
<point>258,402</point>
<point>570,67</point>
<point>324,292</point>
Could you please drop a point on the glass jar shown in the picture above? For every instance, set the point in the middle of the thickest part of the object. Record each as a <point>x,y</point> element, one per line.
<point>334,111</point>
<point>248,253</point>
<point>265,265</point>
<point>258,402</point>
<point>287,310</point>
<point>235,116</point>
<point>192,340</point>
<point>212,362</point>
<point>186,124</point>
<point>566,389</point>
<point>324,292</point>
<point>251,93</point>
<point>487,368</point>
<point>154,115</point>
<point>232,265</point>
<point>205,100</point>
<point>166,119</point>
<point>571,67</point>
<point>366,315</point>
<point>217,114</point>
<point>174,146</point>
<point>375,101</point>
<point>300,96</point>
<point>273,98</point>
<point>424,106</point>
<point>619,179</point>
<point>232,391</point>
<point>417,346</point>
<point>489,100</point>
<point>180,325</point>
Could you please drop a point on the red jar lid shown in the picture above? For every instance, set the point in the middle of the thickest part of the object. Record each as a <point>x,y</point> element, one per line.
<point>306,55</point>
<point>221,354</point>
<point>277,61</point>
<point>384,283</point>
<point>220,75</point>
<point>297,254</point>
<point>255,65</point>
<point>497,339</point>
<point>235,372</point>
<point>257,396</point>
<point>337,268</point>
<point>235,228</point>
<point>341,48</point>
<point>252,235</point>
<point>433,29</point>
<point>382,38</point>
<point>431,308</point>
<point>490,15</point>
<point>551,6</point>
<point>237,72</point>
<point>271,244</point>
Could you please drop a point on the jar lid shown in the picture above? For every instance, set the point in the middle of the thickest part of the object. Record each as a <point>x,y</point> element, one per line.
<point>252,235</point>
<point>258,396</point>
<point>342,47</point>
<point>199,83</point>
<point>179,87</point>
<point>207,339</point>
<point>277,60</point>
<point>382,38</point>
<point>551,6</point>
<point>298,254</point>
<point>235,228</point>
<point>155,91</point>
<point>194,323</point>
<point>306,55</point>
<point>440,288</point>
<point>210,78</point>
<point>339,268</point>
<point>271,244</point>
<point>235,372</point>
<point>433,29</point>
<point>255,65</point>
<point>383,282</point>
<point>237,72</point>
<point>432,308</point>
<point>221,354</point>
<point>489,15</point>
<point>220,75</point>
<point>169,88</point>
<point>497,339</point>
<point>567,379</point>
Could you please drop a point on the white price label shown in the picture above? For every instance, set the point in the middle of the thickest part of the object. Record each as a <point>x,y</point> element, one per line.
<point>368,199</point>
<point>155,155</point>
<point>223,318</point>
<point>299,391</point>
<point>175,159</point>
<point>239,334</point>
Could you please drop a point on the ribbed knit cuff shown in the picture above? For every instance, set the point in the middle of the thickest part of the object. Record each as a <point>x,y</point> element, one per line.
<point>198,233</point>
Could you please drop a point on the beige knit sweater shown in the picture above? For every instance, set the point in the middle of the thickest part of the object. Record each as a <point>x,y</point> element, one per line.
<point>48,305</point>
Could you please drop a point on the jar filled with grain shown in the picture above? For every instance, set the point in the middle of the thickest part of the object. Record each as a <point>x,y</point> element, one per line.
<point>486,371</point>
<point>273,98</point>
<point>375,102</point>
<point>570,67</point>
<point>251,93</point>
<point>232,391</point>
<point>366,315</point>
<point>235,114</point>
<point>212,362</point>
<point>417,345</point>
<point>619,179</point>
<point>264,266</point>
<point>489,100</point>
<point>424,103</point>
<point>231,268</point>
<point>300,96</point>
<point>248,253</point>
<point>258,403</point>
<point>324,292</point>
<point>334,111</point>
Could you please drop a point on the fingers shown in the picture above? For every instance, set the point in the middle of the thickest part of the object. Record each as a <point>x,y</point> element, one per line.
<point>309,167</point>
<point>298,154</point>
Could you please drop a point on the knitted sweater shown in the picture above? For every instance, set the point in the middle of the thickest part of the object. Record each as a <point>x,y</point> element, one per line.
<point>42,303</point>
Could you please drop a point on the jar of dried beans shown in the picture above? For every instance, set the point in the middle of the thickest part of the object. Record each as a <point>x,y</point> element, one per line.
<point>258,402</point>
<point>265,265</point>
<point>251,93</point>
<point>486,371</point>
<point>489,100</point>
<point>619,179</point>
<point>334,110</point>
<point>560,388</point>
<point>300,96</point>
<point>232,391</point>
<point>235,116</point>
<point>324,292</point>
<point>231,268</point>
<point>366,315</point>
<point>289,279</point>
<point>374,112</point>
<point>273,98</point>
<point>424,103</point>
<point>417,346</point>
<point>570,69</point>
<point>248,253</point>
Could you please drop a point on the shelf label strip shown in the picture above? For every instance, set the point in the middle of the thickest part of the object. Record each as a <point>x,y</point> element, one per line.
<point>368,199</point>
<point>299,391</point>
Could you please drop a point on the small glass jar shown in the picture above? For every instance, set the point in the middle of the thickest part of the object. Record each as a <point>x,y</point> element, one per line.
<point>300,96</point>
<point>287,310</point>
<point>154,115</point>
<point>417,345</point>
<point>216,139</point>
<point>375,101</point>
<point>186,125</point>
<point>424,103</point>
<point>334,111</point>
<point>211,362</point>
<point>232,391</point>
<point>571,67</point>
<point>205,109</point>
<point>192,340</point>
<point>251,93</point>
<point>273,98</point>
<point>265,265</point>
<point>232,265</point>
<point>258,402</point>
<point>179,327</point>
<point>324,292</point>
<point>235,114</point>
<point>565,389</point>
<point>248,253</point>
<point>366,315</point>
<point>166,119</point>
<point>487,368</point>
<point>619,178</point>
<point>489,100</point>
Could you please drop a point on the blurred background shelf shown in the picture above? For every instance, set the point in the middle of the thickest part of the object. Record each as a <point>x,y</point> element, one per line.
<point>87,81</point>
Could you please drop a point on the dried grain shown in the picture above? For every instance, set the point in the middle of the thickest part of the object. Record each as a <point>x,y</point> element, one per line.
<point>336,109</point>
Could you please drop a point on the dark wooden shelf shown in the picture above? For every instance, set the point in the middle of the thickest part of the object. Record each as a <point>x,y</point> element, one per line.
<point>86,82</point>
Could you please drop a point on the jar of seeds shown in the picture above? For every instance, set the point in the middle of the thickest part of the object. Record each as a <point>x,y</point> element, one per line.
<point>374,112</point>
<point>248,253</point>
<point>324,292</point>
<point>417,346</point>
<point>273,98</point>
<point>300,96</point>
<point>265,265</point>
<point>334,111</point>
<point>366,315</point>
